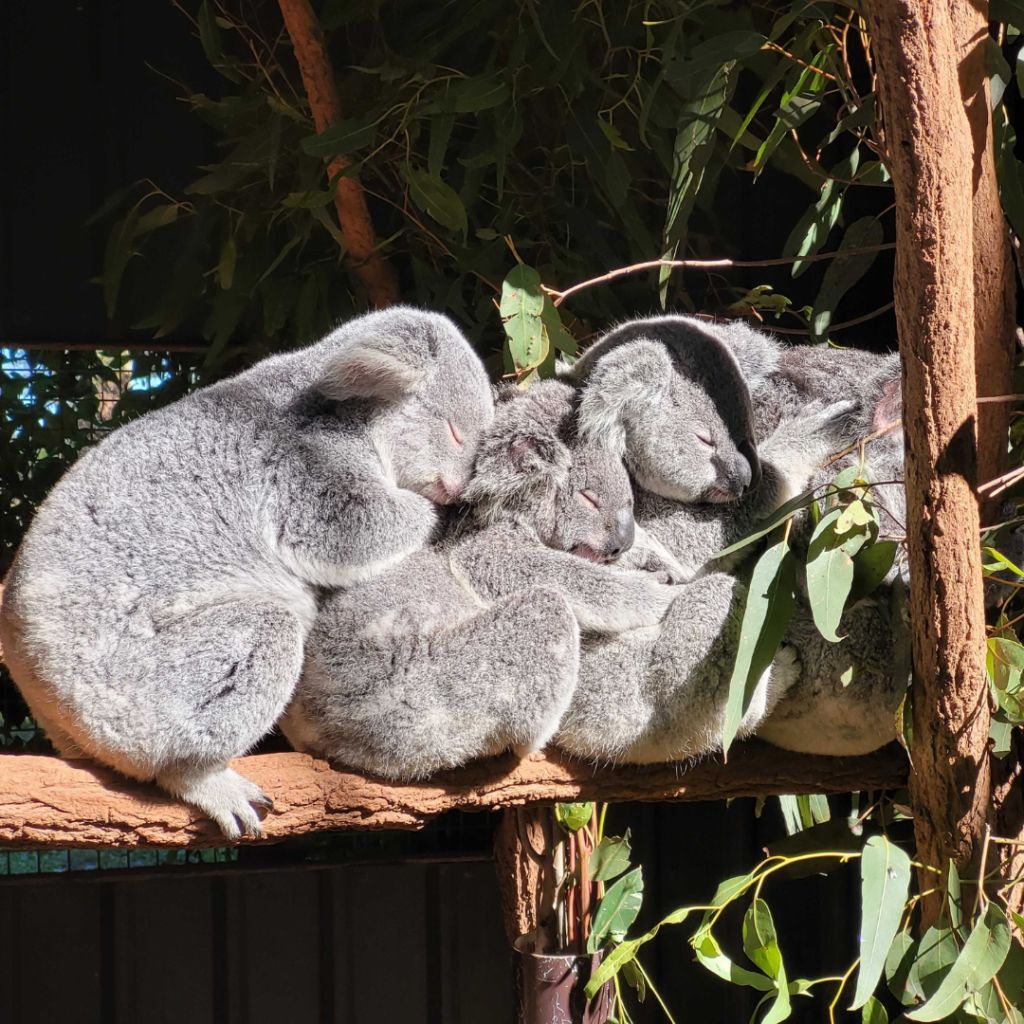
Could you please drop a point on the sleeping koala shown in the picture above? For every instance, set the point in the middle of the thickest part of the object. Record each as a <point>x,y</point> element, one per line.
<point>472,646</point>
<point>670,394</point>
<point>156,613</point>
<point>672,680</point>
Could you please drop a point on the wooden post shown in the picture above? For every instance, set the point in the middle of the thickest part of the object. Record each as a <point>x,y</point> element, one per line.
<point>932,158</point>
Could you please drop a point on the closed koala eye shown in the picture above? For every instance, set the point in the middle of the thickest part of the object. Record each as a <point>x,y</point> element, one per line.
<point>590,498</point>
<point>456,434</point>
<point>704,439</point>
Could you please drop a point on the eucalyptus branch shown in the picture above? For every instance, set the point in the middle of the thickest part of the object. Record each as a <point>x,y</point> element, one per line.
<point>376,274</point>
<point>558,297</point>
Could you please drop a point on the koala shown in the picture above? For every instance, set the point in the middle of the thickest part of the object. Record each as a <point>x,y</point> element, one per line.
<point>659,693</point>
<point>676,676</point>
<point>156,613</point>
<point>472,646</point>
<point>669,392</point>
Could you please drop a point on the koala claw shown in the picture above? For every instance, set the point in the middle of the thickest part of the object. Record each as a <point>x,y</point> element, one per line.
<point>226,797</point>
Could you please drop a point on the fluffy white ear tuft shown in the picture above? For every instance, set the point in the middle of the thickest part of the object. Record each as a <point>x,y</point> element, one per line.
<point>364,371</point>
<point>622,385</point>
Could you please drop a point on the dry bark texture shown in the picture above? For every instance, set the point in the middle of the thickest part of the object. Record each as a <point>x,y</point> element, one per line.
<point>522,847</point>
<point>931,151</point>
<point>48,802</point>
<point>376,274</point>
<point>994,319</point>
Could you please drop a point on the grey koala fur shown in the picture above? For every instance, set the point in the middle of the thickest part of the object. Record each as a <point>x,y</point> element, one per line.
<point>156,612</point>
<point>682,398</point>
<point>659,694</point>
<point>676,675</point>
<point>472,646</point>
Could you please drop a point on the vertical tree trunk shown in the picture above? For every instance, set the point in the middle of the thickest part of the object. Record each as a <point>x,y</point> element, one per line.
<point>994,291</point>
<point>376,274</point>
<point>915,52</point>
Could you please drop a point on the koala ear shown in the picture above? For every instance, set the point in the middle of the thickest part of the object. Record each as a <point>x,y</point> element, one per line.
<point>366,370</point>
<point>621,385</point>
<point>535,454</point>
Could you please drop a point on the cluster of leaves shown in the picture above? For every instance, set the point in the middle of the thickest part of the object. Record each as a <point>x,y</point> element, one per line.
<point>595,135</point>
<point>967,967</point>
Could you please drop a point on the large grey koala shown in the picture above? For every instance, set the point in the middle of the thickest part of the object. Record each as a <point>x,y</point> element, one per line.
<point>472,646</point>
<point>674,677</point>
<point>156,613</point>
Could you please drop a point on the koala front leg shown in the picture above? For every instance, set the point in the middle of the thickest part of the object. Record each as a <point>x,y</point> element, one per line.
<point>604,598</point>
<point>408,706</point>
<point>336,536</point>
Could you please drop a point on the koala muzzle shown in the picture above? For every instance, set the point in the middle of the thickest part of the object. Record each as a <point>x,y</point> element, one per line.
<point>620,538</point>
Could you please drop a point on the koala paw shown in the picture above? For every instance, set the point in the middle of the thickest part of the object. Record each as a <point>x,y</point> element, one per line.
<point>786,669</point>
<point>223,795</point>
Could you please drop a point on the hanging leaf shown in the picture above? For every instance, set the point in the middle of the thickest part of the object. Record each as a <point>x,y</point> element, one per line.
<point>343,137</point>
<point>761,945</point>
<point>766,614</point>
<point>573,817</point>
<point>437,199</point>
<point>981,957</point>
<point>610,858</point>
<point>618,910</point>
<point>870,567</point>
<point>844,272</point>
<point>873,1012</point>
<point>521,309</point>
<point>830,572</point>
<point>226,264</point>
<point>710,955</point>
<point>885,880</point>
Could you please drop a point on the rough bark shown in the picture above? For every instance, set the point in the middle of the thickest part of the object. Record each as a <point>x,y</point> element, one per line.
<point>994,290</point>
<point>522,850</point>
<point>48,802</point>
<point>375,273</point>
<point>915,54</point>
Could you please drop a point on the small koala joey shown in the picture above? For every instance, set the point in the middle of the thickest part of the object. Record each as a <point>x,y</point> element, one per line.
<point>156,613</point>
<point>472,646</point>
<point>674,394</point>
<point>659,693</point>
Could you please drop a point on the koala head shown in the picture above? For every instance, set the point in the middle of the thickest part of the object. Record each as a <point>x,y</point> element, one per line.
<point>669,396</point>
<point>428,392</point>
<point>534,467</point>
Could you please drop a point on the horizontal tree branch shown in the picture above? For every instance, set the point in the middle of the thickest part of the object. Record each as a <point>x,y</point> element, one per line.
<point>45,801</point>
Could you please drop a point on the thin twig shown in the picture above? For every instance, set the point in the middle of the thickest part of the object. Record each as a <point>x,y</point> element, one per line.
<point>862,441</point>
<point>836,327</point>
<point>782,261</point>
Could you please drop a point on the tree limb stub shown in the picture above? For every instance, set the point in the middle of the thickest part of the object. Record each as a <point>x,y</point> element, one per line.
<point>915,51</point>
<point>376,274</point>
<point>45,801</point>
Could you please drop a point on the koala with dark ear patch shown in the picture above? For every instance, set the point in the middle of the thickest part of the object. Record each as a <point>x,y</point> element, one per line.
<point>157,610</point>
<point>472,646</point>
<point>671,393</point>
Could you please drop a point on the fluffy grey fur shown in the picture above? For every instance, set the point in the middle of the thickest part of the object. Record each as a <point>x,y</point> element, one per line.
<point>156,613</point>
<point>472,646</point>
<point>659,694</point>
<point>674,678</point>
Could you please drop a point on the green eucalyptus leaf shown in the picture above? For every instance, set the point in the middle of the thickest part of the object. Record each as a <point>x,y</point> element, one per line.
<point>573,817</point>
<point>769,607</point>
<point>982,955</point>
<point>885,880</point>
<point>843,272</point>
<point>710,955</point>
<point>343,137</point>
<point>618,910</point>
<point>760,942</point>
<point>610,858</point>
<point>870,567</point>
<point>437,199</point>
<point>521,309</point>
<point>829,575</point>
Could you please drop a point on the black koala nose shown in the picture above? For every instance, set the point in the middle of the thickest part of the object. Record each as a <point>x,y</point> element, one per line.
<point>622,534</point>
<point>752,470</point>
